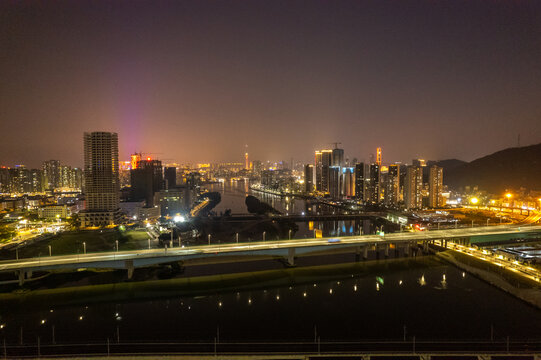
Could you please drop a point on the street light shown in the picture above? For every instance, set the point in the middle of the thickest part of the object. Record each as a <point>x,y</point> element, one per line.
<point>474,200</point>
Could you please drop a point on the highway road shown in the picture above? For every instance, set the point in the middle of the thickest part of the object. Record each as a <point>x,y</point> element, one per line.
<point>177,253</point>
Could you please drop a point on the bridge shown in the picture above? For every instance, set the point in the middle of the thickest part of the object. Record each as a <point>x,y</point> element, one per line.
<point>287,249</point>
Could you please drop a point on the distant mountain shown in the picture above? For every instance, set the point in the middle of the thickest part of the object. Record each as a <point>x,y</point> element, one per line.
<point>511,168</point>
<point>447,165</point>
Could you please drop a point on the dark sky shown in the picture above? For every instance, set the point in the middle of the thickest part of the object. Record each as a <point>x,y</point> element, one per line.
<point>197,80</point>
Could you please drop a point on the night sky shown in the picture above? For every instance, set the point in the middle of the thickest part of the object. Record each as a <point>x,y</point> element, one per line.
<point>195,81</point>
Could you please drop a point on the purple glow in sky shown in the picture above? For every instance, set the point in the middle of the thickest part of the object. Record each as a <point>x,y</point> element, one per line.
<point>197,80</point>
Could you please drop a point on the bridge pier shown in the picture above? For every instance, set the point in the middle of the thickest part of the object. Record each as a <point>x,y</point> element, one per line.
<point>291,256</point>
<point>129,266</point>
<point>386,250</point>
<point>21,277</point>
<point>365,252</point>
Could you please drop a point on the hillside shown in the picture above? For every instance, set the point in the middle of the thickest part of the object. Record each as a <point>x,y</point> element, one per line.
<point>511,168</point>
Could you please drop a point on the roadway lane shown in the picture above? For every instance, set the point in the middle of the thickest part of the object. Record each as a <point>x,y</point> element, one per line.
<point>87,259</point>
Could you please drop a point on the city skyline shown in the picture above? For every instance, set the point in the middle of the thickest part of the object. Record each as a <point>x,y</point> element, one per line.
<point>196,81</point>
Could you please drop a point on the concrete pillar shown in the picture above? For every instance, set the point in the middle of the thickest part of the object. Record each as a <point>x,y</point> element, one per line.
<point>386,250</point>
<point>407,250</point>
<point>29,274</point>
<point>291,256</point>
<point>21,277</point>
<point>365,252</point>
<point>129,266</point>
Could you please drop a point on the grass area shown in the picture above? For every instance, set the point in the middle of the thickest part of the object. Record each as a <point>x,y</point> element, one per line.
<point>95,240</point>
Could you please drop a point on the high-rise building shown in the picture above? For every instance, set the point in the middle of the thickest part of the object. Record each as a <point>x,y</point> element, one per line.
<point>246,162</point>
<point>334,181</point>
<point>373,184</point>
<point>326,163</point>
<point>318,169</point>
<point>338,157</point>
<point>101,179</point>
<point>146,181</point>
<point>348,182</point>
<point>51,171</point>
<point>134,159</point>
<point>308,178</point>
<point>378,156</point>
<point>170,177</point>
<point>21,180</point>
<point>392,185</point>
<point>323,161</point>
<point>360,181</point>
<point>435,181</point>
<point>38,182</point>
<point>413,186</point>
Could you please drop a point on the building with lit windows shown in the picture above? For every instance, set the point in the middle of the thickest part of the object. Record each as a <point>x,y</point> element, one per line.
<point>413,186</point>
<point>101,179</point>
<point>435,183</point>
<point>392,185</point>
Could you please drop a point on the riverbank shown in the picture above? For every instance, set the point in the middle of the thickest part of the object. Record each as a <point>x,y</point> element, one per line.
<point>508,281</point>
<point>209,284</point>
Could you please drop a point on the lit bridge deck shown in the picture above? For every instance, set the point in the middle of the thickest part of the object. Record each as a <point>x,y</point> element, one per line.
<point>244,251</point>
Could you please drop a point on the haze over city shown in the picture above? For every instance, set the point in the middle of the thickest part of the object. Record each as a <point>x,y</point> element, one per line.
<point>301,179</point>
<point>198,80</point>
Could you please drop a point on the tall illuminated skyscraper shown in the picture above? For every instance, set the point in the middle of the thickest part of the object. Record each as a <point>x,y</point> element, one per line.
<point>373,184</point>
<point>392,185</point>
<point>435,183</point>
<point>378,156</point>
<point>51,172</point>
<point>101,179</point>
<point>413,185</point>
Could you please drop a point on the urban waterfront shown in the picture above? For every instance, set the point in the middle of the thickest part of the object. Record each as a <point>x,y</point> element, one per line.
<point>385,301</point>
<point>430,300</point>
<point>234,193</point>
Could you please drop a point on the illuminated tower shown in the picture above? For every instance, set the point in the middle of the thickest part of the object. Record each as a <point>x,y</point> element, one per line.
<point>412,187</point>
<point>135,158</point>
<point>435,182</point>
<point>378,156</point>
<point>101,179</point>
<point>317,164</point>
<point>246,162</point>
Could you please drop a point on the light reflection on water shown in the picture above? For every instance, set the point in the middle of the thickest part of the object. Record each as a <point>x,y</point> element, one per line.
<point>437,302</point>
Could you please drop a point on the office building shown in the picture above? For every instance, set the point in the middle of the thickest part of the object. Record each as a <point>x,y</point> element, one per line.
<point>338,158</point>
<point>146,180</point>
<point>170,177</point>
<point>379,156</point>
<point>334,182</point>
<point>101,179</point>
<point>348,182</point>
